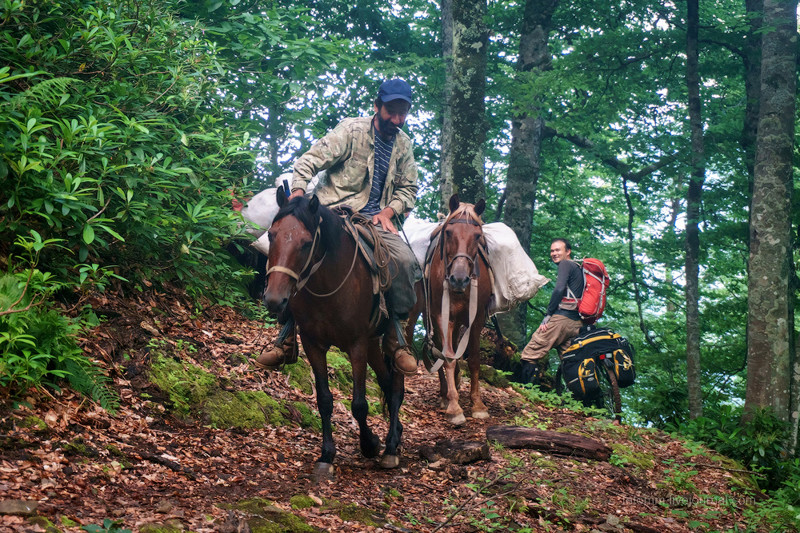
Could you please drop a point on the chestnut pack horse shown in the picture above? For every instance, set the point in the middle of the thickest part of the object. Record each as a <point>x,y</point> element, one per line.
<point>316,272</point>
<point>458,287</point>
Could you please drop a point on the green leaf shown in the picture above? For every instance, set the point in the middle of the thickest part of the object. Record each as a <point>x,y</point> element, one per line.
<point>88,234</point>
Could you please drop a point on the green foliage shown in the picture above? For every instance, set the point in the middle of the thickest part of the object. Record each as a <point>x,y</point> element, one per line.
<point>38,345</point>
<point>758,443</point>
<point>114,143</point>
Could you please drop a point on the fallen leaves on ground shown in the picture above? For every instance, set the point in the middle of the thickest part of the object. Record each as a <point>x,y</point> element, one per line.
<point>80,465</point>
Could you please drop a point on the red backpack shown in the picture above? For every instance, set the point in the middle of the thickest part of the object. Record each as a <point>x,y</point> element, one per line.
<point>595,285</point>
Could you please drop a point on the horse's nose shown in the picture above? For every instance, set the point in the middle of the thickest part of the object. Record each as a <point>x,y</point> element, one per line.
<point>458,283</point>
<point>276,306</point>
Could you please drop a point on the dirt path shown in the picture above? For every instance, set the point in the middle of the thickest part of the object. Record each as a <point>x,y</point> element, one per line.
<point>149,469</point>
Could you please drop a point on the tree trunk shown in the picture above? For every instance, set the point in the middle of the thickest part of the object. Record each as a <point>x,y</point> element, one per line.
<point>446,163</point>
<point>752,84</point>
<point>526,145</point>
<point>467,106</point>
<point>693,199</point>
<point>769,342</point>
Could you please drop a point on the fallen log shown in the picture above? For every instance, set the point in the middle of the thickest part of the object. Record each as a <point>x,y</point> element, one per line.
<point>549,441</point>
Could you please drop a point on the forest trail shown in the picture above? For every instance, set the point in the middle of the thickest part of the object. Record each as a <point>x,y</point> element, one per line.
<point>153,471</point>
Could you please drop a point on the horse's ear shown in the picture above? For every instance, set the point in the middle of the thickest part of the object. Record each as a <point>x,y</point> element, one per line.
<point>454,202</point>
<point>280,196</point>
<point>313,203</point>
<point>480,206</point>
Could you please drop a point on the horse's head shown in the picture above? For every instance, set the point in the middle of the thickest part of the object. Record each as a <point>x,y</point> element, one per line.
<point>294,241</point>
<point>462,240</point>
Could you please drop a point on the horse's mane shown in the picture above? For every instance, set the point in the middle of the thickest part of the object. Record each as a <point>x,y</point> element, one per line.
<point>467,211</point>
<point>331,224</point>
<point>464,210</point>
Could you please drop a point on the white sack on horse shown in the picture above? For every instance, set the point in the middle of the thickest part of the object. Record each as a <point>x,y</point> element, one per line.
<point>418,232</point>
<point>516,278</point>
<point>262,208</point>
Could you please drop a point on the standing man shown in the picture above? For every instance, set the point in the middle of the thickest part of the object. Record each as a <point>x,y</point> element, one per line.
<point>369,166</point>
<point>562,321</point>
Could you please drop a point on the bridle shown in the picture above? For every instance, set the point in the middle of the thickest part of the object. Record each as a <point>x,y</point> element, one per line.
<point>300,280</point>
<point>473,261</point>
<point>473,290</point>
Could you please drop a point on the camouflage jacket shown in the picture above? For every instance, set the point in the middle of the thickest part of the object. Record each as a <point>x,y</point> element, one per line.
<point>347,155</point>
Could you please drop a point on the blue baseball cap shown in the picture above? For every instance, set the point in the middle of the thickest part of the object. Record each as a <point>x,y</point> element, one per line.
<point>395,89</point>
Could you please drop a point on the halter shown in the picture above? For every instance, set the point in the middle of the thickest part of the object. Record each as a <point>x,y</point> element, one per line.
<point>475,265</point>
<point>473,296</point>
<point>301,283</point>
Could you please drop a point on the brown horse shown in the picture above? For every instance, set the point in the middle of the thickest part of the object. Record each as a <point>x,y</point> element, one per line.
<point>316,273</point>
<point>458,289</point>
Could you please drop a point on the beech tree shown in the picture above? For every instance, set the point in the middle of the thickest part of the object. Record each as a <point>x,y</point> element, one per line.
<point>694,194</point>
<point>466,99</point>
<point>770,327</point>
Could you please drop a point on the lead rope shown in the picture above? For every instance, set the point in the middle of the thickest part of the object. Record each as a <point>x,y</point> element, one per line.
<point>445,324</point>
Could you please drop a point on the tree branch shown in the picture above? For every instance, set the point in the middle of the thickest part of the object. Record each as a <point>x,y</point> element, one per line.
<point>624,169</point>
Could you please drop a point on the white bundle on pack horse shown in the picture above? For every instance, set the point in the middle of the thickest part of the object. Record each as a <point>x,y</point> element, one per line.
<point>260,211</point>
<point>471,271</point>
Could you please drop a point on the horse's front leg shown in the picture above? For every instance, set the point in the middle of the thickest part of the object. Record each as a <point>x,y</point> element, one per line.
<point>369,442</point>
<point>453,411</point>
<point>391,455</point>
<point>479,410</point>
<point>392,384</point>
<point>317,356</point>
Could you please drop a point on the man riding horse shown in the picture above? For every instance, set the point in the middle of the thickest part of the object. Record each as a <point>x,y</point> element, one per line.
<point>369,167</point>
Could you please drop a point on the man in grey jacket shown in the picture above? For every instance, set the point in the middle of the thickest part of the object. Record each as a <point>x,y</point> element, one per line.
<point>369,166</point>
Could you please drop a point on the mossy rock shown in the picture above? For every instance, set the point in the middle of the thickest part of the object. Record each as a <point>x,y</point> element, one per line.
<point>300,376</point>
<point>245,410</point>
<point>352,512</point>
<point>266,518</point>
<point>79,447</point>
<point>301,501</point>
<point>494,377</point>
<point>44,523</point>
<point>68,522</point>
<point>186,384</point>
<point>342,378</point>
<point>306,416</point>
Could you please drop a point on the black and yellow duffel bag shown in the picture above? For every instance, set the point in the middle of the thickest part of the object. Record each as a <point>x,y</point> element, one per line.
<point>594,347</point>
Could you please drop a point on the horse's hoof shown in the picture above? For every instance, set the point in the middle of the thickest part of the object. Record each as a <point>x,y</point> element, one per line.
<point>390,461</point>
<point>323,471</point>
<point>458,420</point>
<point>480,414</point>
<point>372,450</point>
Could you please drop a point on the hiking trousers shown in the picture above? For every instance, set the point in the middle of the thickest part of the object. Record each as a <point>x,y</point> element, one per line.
<point>404,271</point>
<point>560,332</point>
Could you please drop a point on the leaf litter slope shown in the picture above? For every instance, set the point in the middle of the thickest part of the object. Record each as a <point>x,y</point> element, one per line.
<point>146,465</point>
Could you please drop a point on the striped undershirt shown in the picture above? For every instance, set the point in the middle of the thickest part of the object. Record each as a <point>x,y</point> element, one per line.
<point>383,152</point>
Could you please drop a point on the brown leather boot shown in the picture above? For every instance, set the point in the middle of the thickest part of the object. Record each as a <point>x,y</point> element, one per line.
<point>276,356</point>
<point>403,359</point>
